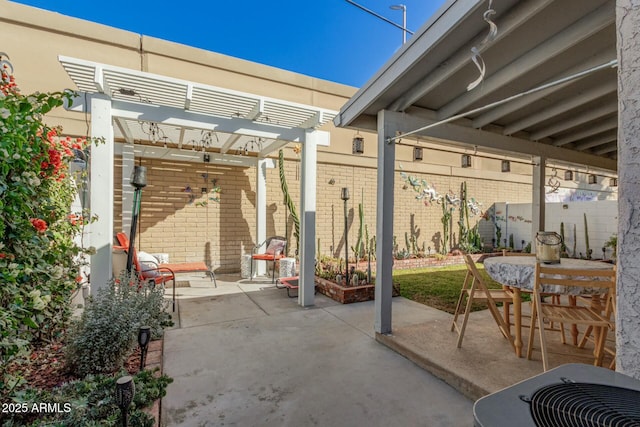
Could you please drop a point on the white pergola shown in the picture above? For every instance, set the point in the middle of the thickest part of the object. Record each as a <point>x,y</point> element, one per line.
<point>182,120</point>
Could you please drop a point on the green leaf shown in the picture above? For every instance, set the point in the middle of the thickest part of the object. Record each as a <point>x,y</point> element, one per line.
<point>30,322</point>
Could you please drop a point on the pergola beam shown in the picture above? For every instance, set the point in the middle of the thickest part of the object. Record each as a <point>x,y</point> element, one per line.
<point>180,118</point>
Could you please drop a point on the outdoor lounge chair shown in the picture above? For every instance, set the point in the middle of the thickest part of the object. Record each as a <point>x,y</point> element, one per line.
<point>162,273</point>
<point>275,250</point>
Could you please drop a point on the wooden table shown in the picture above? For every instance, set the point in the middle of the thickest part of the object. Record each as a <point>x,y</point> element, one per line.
<point>518,272</point>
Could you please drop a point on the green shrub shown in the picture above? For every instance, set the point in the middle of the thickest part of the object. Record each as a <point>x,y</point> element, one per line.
<point>106,332</point>
<point>39,258</point>
<point>91,402</point>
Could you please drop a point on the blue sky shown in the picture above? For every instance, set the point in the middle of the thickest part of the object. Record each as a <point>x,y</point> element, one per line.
<point>328,39</point>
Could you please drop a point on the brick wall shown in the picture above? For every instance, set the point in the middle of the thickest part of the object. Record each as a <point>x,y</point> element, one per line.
<point>220,233</point>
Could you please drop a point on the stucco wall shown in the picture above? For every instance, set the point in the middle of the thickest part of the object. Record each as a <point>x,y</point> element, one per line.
<point>628,333</point>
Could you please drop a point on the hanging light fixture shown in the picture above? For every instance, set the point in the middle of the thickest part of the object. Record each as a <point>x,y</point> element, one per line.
<point>613,182</point>
<point>592,179</point>
<point>205,141</point>
<point>568,175</point>
<point>155,132</point>
<point>252,145</point>
<point>506,166</point>
<point>357,146</point>
<point>466,161</point>
<point>417,153</point>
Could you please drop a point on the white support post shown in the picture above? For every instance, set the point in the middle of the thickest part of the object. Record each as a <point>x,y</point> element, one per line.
<point>261,211</point>
<point>128,162</point>
<point>306,289</point>
<point>388,124</point>
<point>101,187</point>
<point>537,202</point>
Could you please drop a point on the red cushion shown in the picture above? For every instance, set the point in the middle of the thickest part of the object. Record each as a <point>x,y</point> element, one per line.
<point>184,267</point>
<point>267,257</point>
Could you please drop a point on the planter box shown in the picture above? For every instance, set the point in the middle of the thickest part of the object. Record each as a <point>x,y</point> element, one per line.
<point>347,294</point>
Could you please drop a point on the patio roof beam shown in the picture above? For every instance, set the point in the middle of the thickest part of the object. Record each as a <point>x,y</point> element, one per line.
<point>513,20</point>
<point>457,133</point>
<point>496,113</point>
<point>607,149</point>
<point>605,125</point>
<point>579,120</point>
<point>598,141</point>
<point>562,107</point>
<point>544,52</point>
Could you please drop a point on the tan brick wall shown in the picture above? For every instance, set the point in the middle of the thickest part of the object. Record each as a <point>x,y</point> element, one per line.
<point>220,232</point>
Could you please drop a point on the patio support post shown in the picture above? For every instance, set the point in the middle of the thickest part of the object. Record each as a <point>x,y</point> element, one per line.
<point>538,202</point>
<point>261,211</point>
<point>101,192</point>
<point>308,216</point>
<point>628,297</point>
<point>128,162</point>
<point>388,124</point>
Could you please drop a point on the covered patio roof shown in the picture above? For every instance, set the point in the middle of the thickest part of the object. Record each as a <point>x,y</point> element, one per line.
<point>553,60</point>
<point>537,43</point>
<point>162,117</point>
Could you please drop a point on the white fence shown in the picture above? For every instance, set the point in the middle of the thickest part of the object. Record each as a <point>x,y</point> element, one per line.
<point>602,223</point>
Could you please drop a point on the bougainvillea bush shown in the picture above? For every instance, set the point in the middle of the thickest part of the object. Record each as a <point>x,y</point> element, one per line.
<point>39,258</point>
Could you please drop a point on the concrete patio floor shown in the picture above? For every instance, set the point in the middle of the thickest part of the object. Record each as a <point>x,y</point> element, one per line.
<point>245,354</point>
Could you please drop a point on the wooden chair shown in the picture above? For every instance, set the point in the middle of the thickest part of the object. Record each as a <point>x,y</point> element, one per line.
<point>588,333</point>
<point>275,250</point>
<point>555,298</point>
<point>475,290</point>
<point>602,280</point>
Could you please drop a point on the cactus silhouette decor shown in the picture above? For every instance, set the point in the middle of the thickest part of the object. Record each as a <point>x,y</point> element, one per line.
<point>288,201</point>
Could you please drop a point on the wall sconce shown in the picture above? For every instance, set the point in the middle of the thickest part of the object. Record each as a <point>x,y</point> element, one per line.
<point>466,160</point>
<point>506,166</point>
<point>568,175</point>
<point>613,182</point>
<point>358,144</point>
<point>592,179</point>
<point>206,158</point>
<point>417,153</point>
<point>332,181</point>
